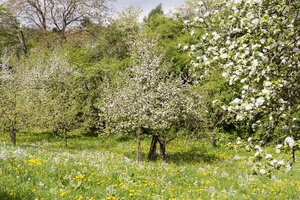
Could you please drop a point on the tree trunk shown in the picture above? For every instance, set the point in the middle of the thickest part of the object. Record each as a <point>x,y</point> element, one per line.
<point>293,156</point>
<point>13,137</point>
<point>22,41</point>
<point>139,150</point>
<point>213,139</point>
<point>162,150</point>
<point>65,138</point>
<point>152,151</point>
<point>54,133</point>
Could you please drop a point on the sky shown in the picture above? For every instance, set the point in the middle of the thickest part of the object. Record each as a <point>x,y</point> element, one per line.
<point>148,5</point>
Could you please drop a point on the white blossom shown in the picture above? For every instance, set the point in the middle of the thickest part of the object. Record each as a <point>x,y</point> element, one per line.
<point>248,107</point>
<point>239,117</point>
<point>260,101</point>
<point>246,87</point>
<point>268,83</point>
<point>236,101</point>
<point>281,162</point>
<point>290,141</point>
<point>256,154</point>
<point>268,156</point>
<point>225,74</point>
<point>248,148</point>
<point>224,55</point>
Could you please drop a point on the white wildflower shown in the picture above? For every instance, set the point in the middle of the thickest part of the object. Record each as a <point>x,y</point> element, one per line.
<point>273,162</point>
<point>262,171</point>
<point>215,101</point>
<point>288,168</point>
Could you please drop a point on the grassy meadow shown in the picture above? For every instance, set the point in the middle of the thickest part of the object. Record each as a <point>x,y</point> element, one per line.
<point>40,167</point>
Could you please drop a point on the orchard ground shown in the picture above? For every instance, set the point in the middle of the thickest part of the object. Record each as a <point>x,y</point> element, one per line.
<point>40,167</point>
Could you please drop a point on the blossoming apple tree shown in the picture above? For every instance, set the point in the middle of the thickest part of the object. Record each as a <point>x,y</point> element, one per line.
<point>148,99</point>
<point>256,44</point>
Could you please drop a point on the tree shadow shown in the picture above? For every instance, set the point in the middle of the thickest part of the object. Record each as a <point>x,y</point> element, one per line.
<point>191,157</point>
<point>124,138</point>
<point>35,136</point>
<point>10,196</point>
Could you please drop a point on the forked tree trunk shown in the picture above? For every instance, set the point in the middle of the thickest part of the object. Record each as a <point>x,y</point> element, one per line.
<point>152,151</point>
<point>162,149</point>
<point>13,137</point>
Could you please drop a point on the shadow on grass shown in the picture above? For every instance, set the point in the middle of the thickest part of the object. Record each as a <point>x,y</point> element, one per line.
<point>191,157</point>
<point>11,196</point>
<point>35,136</point>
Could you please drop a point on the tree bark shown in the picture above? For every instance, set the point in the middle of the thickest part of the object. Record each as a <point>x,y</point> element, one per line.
<point>139,150</point>
<point>152,151</point>
<point>65,138</point>
<point>13,137</point>
<point>213,139</point>
<point>293,155</point>
<point>162,150</point>
<point>22,41</point>
<point>54,133</point>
